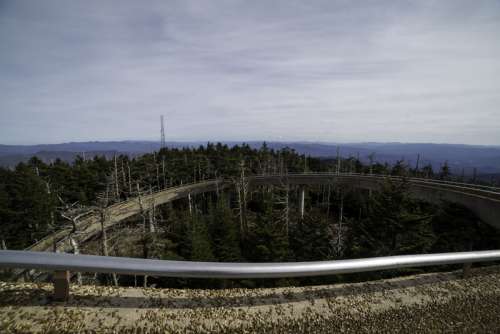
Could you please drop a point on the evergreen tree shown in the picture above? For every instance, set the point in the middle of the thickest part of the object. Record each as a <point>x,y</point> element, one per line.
<point>395,224</point>
<point>224,232</point>
<point>201,248</point>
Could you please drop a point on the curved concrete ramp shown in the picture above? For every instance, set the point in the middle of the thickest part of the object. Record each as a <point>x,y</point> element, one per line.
<point>90,225</point>
<point>483,201</point>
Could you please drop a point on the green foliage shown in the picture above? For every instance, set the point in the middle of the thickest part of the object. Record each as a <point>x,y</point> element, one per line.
<point>384,222</point>
<point>200,241</point>
<point>311,239</point>
<point>394,224</point>
<point>457,229</point>
<point>224,232</point>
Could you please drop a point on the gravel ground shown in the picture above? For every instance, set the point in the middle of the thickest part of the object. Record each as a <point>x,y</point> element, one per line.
<point>441,302</point>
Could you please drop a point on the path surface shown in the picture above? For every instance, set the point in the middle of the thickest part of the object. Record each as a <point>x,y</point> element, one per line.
<point>90,226</point>
<point>429,303</point>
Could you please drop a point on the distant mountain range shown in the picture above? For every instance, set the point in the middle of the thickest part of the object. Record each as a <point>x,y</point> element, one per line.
<point>486,159</point>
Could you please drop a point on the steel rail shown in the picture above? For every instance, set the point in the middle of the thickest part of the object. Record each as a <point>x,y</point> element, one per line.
<point>134,266</point>
<point>382,176</point>
<point>469,189</point>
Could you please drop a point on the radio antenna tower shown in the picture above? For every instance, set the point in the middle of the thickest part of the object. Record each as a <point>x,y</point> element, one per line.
<point>162,144</point>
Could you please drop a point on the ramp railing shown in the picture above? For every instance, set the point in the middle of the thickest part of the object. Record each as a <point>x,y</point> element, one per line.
<point>62,264</point>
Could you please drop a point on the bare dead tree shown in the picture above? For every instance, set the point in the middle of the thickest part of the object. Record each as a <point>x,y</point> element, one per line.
<point>124,178</point>
<point>200,175</point>
<point>282,197</point>
<point>152,213</point>
<point>129,179</point>
<point>103,202</point>
<point>340,227</point>
<point>117,189</point>
<point>302,199</point>
<point>142,213</point>
<point>157,176</point>
<point>328,201</point>
<point>190,204</point>
<point>283,200</point>
<point>371,157</point>
<point>73,213</point>
<point>145,227</point>
<point>163,172</point>
<point>52,215</point>
<point>338,160</point>
<point>417,166</point>
<point>217,191</point>
<point>242,190</point>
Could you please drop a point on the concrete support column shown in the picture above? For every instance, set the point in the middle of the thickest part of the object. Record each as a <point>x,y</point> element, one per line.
<point>302,201</point>
<point>61,285</point>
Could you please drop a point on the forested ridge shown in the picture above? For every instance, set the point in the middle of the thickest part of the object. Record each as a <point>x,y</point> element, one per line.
<point>264,224</point>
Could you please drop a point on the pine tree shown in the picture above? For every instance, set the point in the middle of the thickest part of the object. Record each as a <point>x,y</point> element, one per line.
<point>200,241</point>
<point>224,232</point>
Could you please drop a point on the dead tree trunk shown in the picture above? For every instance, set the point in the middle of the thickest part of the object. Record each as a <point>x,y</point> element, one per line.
<point>152,213</point>
<point>302,201</point>
<point>117,189</point>
<point>242,189</point>
<point>129,179</point>
<point>74,214</point>
<point>145,248</point>
<point>104,241</point>
<point>286,211</point>
<point>417,165</point>
<point>371,157</point>
<point>124,178</point>
<point>157,176</point>
<point>328,202</point>
<point>338,160</point>
<point>142,213</point>
<point>339,233</point>
<point>283,199</point>
<point>190,204</point>
<point>163,172</point>
<point>76,251</point>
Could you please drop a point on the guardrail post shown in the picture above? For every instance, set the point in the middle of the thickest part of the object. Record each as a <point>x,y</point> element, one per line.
<point>466,270</point>
<point>61,285</point>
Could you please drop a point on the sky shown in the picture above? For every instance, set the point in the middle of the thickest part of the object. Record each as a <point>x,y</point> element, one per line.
<point>329,71</point>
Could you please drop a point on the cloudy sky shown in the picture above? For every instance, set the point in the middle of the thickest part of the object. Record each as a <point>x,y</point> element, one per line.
<point>340,71</point>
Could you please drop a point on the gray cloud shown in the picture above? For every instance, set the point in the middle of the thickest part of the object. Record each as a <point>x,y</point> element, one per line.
<point>413,71</point>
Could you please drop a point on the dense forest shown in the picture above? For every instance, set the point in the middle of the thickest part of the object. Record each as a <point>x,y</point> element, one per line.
<point>37,199</point>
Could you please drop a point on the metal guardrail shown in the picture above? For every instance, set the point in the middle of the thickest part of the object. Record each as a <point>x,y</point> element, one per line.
<point>470,189</point>
<point>62,264</point>
<point>134,266</point>
<point>384,176</point>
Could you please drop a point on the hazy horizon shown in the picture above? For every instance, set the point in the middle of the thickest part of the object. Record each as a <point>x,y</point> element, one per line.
<point>318,71</point>
<point>158,142</point>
